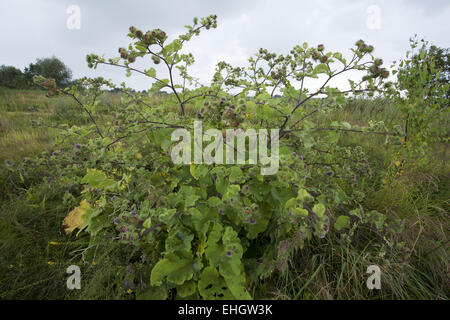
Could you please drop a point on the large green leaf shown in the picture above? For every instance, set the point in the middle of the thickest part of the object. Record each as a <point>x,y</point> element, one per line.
<point>198,170</point>
<point>187,289</point>
<point>342,222</point>
<point>97,179</point>
<point>235,174</point>
<point>319,209</point>
<point>303,195</point>
<point>153,293</point>
<point>237,287</point>
<point>214,201</point>
<point>176,266</point>
<point>213,287</point>
<point>227,254</point>
<point>179,238</point>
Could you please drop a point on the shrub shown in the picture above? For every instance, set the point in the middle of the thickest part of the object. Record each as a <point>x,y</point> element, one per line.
<point>214,231</point>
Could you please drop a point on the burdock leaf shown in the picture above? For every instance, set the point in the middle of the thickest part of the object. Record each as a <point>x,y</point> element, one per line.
<point>187,289</point>
<point>235,174</point>
<point>74,219</point>
<point>176,266</point>
<point>97,179</point>
<point>319,209</point>
<point>342,222</point>
<point>212,286</point>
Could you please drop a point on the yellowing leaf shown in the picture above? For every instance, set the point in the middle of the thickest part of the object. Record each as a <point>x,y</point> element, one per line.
<point>138,155</point>
<point>74,219</point>
<point>397,163</point>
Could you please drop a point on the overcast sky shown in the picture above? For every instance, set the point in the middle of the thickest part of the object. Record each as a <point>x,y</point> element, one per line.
<point>33,29</point>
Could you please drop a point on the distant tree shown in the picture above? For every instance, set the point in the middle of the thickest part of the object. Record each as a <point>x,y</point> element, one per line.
<point>441,57</point>
<point>114,90</point>
<point>12,77</point>
<point>50,68</point>
<point>428,58</point>
<point>423,81</point>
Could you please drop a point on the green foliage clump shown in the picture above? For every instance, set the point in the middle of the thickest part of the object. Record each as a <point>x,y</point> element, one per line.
<point>423,94</point>
<point>218,231</point>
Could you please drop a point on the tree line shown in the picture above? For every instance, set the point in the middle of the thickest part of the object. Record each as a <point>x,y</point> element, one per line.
<point>51,68</point>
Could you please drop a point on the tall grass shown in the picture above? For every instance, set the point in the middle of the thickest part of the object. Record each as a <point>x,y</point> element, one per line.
<point>34,256</point>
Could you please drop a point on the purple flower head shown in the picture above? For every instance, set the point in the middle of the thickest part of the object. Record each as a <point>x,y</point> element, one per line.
<point>244,105</point>
<point>247,221</point>
<point>233,107</point>
<point>229,253</point>
<point>53,153</point>
<point>131,238</point>
<point>133,213</point>
<point>116,220</point>
<point>223,99</point>
<point>301,157</point>
<point>77,146</point>
<point>253,222</point>
<point>220,211</point>
<point>295,154</point>
<point>246,188</point>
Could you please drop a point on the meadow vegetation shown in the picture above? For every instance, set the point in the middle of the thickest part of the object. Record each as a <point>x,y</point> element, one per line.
<point>355,187</point>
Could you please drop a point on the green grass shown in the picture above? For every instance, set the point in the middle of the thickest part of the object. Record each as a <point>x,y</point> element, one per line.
<point>34,256</point>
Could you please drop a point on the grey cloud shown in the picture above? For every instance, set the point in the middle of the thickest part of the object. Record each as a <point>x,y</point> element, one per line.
<point>37,28</point>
